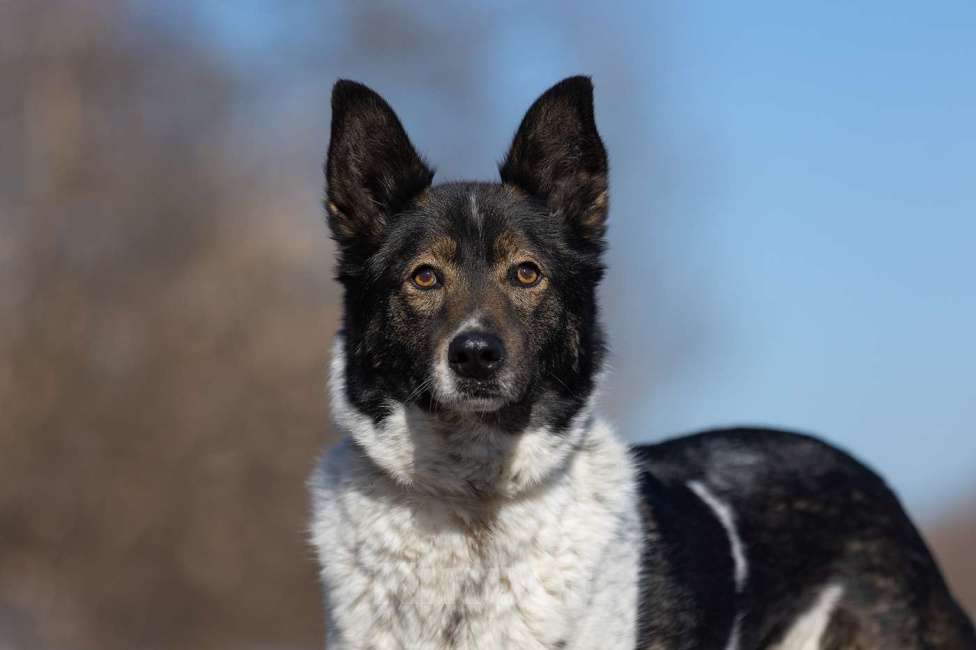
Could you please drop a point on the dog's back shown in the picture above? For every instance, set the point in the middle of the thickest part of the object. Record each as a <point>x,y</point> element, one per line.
<point>818,552</point>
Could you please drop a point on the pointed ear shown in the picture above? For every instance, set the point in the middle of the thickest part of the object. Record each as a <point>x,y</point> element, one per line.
<point>558,157</point>
<point>372,171</point>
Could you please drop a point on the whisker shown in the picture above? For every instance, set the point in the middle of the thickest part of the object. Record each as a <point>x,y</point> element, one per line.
<point>420,388</point>
<point>564,385</point>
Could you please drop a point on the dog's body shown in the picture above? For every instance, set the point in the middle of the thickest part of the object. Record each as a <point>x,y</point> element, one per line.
<point>477,502</point>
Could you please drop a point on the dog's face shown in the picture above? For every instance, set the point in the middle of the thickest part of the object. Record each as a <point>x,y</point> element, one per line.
<point>471,301</point>
<point>475,301</point>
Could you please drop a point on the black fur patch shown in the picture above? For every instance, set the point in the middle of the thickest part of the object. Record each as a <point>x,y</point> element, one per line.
<point>558,156</point>
<point>372,170</point>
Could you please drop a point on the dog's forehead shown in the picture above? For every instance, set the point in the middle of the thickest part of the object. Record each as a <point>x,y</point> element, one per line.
<point>474,204</point>
<point>492,217</point>
<point>469,224</point>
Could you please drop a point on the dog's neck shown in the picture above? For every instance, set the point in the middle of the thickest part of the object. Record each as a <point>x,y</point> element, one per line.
<point>562,550</point>
<point>455,455</point>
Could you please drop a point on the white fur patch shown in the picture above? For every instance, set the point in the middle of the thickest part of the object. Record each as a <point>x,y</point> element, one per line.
<point>739,563</point>
<point>807,631</point>
<point>724,514</point>
<point>733,642</point>
<point>430,537</point>
<point>454,455</point>
<point>475,215</point>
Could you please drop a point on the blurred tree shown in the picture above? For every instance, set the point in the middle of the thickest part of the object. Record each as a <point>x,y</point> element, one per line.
<point>161,356</point>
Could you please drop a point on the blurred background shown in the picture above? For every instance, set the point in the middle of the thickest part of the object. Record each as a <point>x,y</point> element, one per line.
<point>792,243</point>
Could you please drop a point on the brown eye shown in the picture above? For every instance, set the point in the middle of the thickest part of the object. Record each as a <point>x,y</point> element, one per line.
<point>425,278</point>
<point>528,274</point>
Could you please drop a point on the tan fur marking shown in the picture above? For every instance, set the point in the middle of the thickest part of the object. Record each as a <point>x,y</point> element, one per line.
<point>423,199</point>
<point>439,256</point>
<point>510,251</point>
<point>444,249</point>
<point>601,200</point>
<point>514,191</point>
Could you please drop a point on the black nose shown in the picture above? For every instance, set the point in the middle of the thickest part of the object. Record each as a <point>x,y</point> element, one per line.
<point>476,355</point>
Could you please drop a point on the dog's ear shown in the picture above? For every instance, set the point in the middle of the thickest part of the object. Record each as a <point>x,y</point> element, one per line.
<point>372,171</point>
<point>558,157</point>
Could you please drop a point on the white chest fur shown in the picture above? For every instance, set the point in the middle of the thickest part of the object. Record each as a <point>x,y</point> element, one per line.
<point>554,567</point>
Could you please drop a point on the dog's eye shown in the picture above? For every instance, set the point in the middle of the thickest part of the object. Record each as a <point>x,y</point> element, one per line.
<point>528,274</point>
<point>425,277</point>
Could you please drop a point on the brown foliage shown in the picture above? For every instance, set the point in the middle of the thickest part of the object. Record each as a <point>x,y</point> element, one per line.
<point>163,338</point>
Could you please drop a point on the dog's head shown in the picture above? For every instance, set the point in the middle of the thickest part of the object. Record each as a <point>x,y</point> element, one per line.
<point>468,306</point>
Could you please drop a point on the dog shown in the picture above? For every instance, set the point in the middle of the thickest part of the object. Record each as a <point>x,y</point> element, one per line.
<point>477,500</point>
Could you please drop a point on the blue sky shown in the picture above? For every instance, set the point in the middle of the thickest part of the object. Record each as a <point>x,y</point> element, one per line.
<point>835,240</point>
<point>794,194</point>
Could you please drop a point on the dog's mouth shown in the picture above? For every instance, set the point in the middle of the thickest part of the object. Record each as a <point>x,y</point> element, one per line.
<point>476,404</point>
<point>473,397</point>
<point>461,395</point>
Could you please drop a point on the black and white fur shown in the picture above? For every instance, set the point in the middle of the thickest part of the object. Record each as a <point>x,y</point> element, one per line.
<point>476,501</point>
